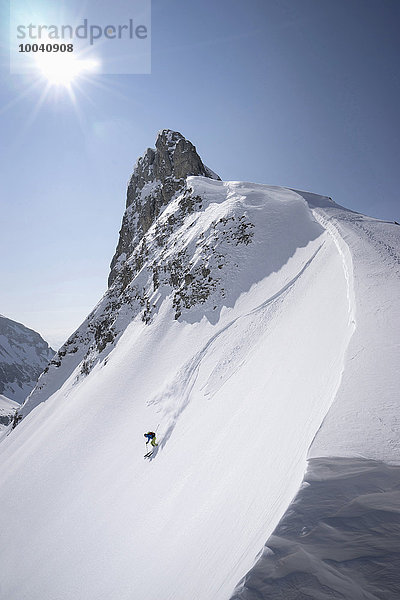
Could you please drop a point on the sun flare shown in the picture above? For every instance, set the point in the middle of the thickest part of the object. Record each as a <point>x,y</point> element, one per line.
<point>62,69</point>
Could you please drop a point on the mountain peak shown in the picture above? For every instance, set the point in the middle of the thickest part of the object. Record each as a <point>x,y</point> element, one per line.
<point>23,356</point>
<point>168,137</point>
<point>157,177</point>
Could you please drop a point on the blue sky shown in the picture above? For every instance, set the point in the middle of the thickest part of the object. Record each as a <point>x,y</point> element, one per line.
<point>300,93</point>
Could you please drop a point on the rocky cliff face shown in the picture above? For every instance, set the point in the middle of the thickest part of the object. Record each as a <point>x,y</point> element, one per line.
<point>158,175</point>
<point>23,356</point>
<point>168,248</point>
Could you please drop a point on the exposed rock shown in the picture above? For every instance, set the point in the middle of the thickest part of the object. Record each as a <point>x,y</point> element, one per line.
<point>158,175</point>
<point>8,409</point>
<point>23,356</point>
<point>153,261</point>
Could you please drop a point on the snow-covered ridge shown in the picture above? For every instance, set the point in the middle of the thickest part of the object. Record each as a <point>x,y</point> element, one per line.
<point>370,422</point>
<point>231,338</point>
<point>240,325</point>
<point>339,537</point>
<point>199,253</point>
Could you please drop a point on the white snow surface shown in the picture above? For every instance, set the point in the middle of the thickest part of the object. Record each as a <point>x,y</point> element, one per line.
<point>364,419</point>
<point>7,411</point>
<point>6,403</point>
<point>236,401</point>
<point>339,538</point>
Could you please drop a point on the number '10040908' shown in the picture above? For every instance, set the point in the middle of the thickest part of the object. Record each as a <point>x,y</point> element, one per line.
<point>46,48</point>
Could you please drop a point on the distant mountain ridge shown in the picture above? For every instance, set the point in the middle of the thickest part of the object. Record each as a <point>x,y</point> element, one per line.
<point>23,356</point>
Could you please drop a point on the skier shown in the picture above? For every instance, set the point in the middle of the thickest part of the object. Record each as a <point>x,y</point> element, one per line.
<point>151,437</point>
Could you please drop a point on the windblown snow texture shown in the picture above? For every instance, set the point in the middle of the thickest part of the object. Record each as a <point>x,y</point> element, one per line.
<point>338,539</point>
<point>23,356</point>
<point>244,322</point>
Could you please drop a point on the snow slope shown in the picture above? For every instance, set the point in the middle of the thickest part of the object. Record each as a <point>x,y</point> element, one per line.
<point>339,538</point>
<point>370,423</point>
<point>237,387</point>
<point>7,410</point>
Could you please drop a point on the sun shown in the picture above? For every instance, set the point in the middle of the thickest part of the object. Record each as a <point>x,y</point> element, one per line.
<point>63,69</point>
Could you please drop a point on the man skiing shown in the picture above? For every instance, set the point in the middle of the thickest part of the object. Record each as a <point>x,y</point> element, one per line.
<point>151,437</point>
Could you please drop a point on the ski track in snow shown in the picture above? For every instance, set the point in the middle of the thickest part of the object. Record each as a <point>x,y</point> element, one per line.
<point>176,396</point>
